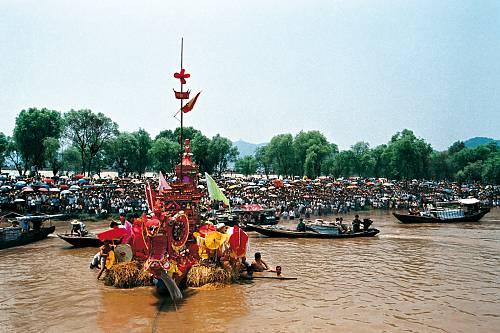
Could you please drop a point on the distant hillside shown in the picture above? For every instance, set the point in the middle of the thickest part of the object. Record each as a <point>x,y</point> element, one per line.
<point>247,148</point>
<point>477,141</point>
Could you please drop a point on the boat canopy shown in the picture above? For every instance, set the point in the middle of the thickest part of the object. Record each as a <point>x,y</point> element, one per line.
<point>469,201</point>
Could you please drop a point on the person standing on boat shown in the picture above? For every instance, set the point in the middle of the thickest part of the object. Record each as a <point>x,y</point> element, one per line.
<point>356,223</point>
<point>301,226</point>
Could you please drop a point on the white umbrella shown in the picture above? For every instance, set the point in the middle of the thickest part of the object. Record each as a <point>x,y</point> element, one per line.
<point>19,200</point>
<point>74,187</point>
<point>54,189</point>
<point>66,192</point>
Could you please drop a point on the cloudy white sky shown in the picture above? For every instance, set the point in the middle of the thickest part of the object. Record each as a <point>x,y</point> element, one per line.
<point>355,70</point>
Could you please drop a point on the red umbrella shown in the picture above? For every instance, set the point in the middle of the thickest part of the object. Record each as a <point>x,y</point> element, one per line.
<point>80,176</point>
<point>48,180</point>
<point>112,234</point>
<point>43,189</point>
<point>238,241</point>
<point>28,189</point>
<point>64,187</point>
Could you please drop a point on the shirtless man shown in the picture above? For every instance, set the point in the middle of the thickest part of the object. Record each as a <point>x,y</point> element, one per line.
<point>258,265</point>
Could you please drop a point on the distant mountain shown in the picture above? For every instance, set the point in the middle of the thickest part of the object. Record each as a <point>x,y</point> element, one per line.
<point>478,140</point>
<point>247,148</point>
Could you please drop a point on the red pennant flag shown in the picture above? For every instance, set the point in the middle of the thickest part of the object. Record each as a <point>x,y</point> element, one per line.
<point>190,105</point>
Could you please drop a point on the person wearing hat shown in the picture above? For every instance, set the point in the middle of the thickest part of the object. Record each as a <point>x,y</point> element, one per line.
<point>78,228</point>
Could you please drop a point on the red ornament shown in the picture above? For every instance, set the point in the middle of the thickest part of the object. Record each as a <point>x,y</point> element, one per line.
<point>182,75</point>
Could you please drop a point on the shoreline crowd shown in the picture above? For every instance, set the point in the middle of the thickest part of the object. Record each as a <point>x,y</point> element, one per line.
<point>289,197</point>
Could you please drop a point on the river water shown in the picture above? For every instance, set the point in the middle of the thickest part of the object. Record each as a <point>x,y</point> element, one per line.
<point>412,278</point>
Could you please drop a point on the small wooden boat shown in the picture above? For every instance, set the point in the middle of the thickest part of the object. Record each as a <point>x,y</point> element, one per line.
<point>286,233</point>
<point>15,236</point>
<point>89,240</point>
<point>32,229</point>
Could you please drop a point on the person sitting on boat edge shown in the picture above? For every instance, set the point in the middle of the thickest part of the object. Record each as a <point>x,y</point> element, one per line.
<point>301,226</point>
<point>356,224</point>
<point>258,265</point>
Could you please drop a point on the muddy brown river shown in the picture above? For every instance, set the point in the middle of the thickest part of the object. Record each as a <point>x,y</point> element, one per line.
<point>410,278</point>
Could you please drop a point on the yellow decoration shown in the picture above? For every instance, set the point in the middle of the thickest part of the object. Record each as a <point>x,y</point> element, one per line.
<point>110,260</point>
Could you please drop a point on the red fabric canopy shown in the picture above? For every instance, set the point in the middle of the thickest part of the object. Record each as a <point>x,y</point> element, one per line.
<point>112,234</point>
<point>252,208</point>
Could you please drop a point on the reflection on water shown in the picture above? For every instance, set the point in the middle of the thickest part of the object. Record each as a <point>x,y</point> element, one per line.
<point>415,278</point>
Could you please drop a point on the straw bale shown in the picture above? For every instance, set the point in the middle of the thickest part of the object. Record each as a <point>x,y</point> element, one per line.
<point>127,275</point>
<point>200,275</point>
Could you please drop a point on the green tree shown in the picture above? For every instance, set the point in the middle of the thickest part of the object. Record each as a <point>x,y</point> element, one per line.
<point>71,159</point>
<point>89,132</point>
<point>33,126</point>
<point>281,148</point>
<point>3,149</point>
<point>491,169</point>
<point>123,152</point>
<point>408,156</point>
<point>200,148</point>
<point>246,165</point>
<point>264,159</point>
<point>13,156</point>
<point>164,154</point>
<point>221,152</point>
<point>313,147</point>
<point>144,143</point>
<point>51,149</point>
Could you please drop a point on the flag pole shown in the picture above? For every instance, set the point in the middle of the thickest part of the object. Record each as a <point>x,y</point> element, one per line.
<point>182,113</point>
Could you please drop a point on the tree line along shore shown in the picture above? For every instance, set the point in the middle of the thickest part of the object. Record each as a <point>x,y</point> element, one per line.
<point>82,141</point>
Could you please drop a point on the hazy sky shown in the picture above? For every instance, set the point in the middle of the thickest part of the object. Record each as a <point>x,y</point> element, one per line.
<point>355,70</point>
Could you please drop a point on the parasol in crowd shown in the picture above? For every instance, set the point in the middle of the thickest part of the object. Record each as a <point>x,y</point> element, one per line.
<point>28,189</point>
<point>74,188</point>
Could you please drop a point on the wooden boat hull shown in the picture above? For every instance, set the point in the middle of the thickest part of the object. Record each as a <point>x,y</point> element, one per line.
<point>406,218</point>
<point>85,241</point>
<point>28,237</point>
<point>271,232</point>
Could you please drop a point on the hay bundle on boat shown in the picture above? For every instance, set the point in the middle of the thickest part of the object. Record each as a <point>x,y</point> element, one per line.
<point>200,275</point>
<point>127,275</point>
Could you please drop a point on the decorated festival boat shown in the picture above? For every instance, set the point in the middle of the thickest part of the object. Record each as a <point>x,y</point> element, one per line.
<point>171,244</point>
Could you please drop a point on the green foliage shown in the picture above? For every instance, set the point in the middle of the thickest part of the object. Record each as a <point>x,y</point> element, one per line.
<point>142,159</point>
<point>89,132</point>
<point>281,148</point>
<point>200,150</point>
<point>51,150</point>
<point>33,126</point>
<point>3,149</point>
<point>71,159</point>
<point>264,159</point>
<point>246,165</point>
<point>221,152</point>
<point>164,154</point>
<point>123,152</point>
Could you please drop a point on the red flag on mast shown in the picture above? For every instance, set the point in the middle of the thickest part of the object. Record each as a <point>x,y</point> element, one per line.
<point>190,105</point>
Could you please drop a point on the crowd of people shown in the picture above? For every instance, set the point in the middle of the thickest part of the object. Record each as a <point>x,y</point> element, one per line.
<point>291,198</point>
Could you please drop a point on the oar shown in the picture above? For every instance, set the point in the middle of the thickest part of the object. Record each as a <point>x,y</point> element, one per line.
<point>173,290</point>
